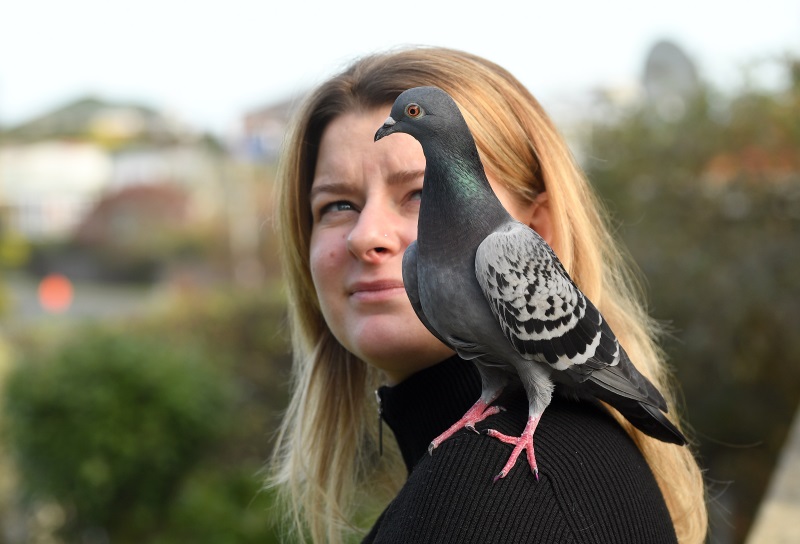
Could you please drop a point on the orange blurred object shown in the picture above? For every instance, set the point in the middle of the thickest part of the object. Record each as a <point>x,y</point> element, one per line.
<point>55,293</point>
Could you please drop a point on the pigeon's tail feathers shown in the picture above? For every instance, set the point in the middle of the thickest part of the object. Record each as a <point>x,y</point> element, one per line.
<point>659,426</point>
<point>645,411</point>
<point>650,420</point>
<point>623,387</point>
<point>621,380</point>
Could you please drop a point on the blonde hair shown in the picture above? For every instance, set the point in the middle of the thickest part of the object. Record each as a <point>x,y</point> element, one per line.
<point>327,445</point>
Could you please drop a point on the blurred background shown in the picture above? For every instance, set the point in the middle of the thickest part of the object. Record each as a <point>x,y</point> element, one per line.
<point>143,350</point>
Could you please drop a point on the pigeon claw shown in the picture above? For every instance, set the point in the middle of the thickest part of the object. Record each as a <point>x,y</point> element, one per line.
<point>523,442</point>
<point>479,411</point>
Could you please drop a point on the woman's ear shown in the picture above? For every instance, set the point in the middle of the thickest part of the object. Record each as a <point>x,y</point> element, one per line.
<point>539,217</point>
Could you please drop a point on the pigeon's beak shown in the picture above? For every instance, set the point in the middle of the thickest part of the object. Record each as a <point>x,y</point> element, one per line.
<point>386,129</point>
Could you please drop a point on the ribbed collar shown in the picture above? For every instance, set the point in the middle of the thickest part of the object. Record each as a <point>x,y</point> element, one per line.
<point>423,406</point>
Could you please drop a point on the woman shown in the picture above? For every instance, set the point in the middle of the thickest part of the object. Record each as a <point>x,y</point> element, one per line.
<point>347,211</point>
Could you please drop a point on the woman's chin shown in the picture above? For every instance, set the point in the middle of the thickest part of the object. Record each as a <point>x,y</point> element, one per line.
<point>402,358</point>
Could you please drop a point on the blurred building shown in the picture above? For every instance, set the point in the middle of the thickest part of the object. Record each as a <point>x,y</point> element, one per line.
<point>56,167</point>
<point>263,130</point>
<point>46,186</point>
<point>670,79</point>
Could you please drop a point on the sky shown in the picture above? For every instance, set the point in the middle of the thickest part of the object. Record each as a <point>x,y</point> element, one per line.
<point>210,61</point>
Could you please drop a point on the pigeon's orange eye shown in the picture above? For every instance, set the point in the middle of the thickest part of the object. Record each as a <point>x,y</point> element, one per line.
<point>413,110</point>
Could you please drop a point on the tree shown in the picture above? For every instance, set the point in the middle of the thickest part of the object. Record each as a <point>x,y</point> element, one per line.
<point>708,204</point>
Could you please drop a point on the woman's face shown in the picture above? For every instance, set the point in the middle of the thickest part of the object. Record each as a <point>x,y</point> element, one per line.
<point>365,203</point>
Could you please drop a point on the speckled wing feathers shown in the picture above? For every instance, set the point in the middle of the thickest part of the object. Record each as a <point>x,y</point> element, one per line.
<point>541,311</point>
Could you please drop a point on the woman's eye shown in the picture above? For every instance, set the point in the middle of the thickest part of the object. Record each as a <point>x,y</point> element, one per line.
<point>337,206</point>
<point>414,197</point>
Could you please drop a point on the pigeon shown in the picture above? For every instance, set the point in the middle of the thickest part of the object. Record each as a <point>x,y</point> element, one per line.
<point>494,291</point>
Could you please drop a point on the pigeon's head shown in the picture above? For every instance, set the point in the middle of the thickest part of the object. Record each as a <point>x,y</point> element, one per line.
<point>420,112</point>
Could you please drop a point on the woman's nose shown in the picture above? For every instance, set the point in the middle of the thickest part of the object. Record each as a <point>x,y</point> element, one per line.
<point>375,235</point>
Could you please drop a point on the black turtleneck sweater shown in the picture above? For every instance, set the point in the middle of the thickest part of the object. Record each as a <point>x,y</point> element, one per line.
<point>594,485</point>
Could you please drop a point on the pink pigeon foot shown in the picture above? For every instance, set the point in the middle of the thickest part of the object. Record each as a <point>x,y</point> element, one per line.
<point>524,442</point>
<point>479,411</point>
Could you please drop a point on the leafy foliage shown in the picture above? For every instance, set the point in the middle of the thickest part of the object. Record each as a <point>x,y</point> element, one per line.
<point>109,425</point>
<point>153,430</point>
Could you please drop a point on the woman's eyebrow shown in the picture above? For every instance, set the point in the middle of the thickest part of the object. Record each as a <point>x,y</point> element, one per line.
<point>404,176</point>
<point>332,187</point>
<point>399,177</point>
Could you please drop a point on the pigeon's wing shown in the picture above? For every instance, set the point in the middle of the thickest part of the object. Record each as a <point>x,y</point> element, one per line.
<point>548,319</point>
<point>540,310</point>
<point>411,283</point>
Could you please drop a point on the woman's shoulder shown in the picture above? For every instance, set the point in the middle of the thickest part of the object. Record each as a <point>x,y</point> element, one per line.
<point>594,486</point>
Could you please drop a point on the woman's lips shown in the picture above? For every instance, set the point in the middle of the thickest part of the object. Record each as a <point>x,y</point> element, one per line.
<point>377,290</point>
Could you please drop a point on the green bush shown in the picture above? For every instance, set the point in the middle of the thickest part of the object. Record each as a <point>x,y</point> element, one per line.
<point>109,425</point>
<point>221,505</point>
<point>186,399</point>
